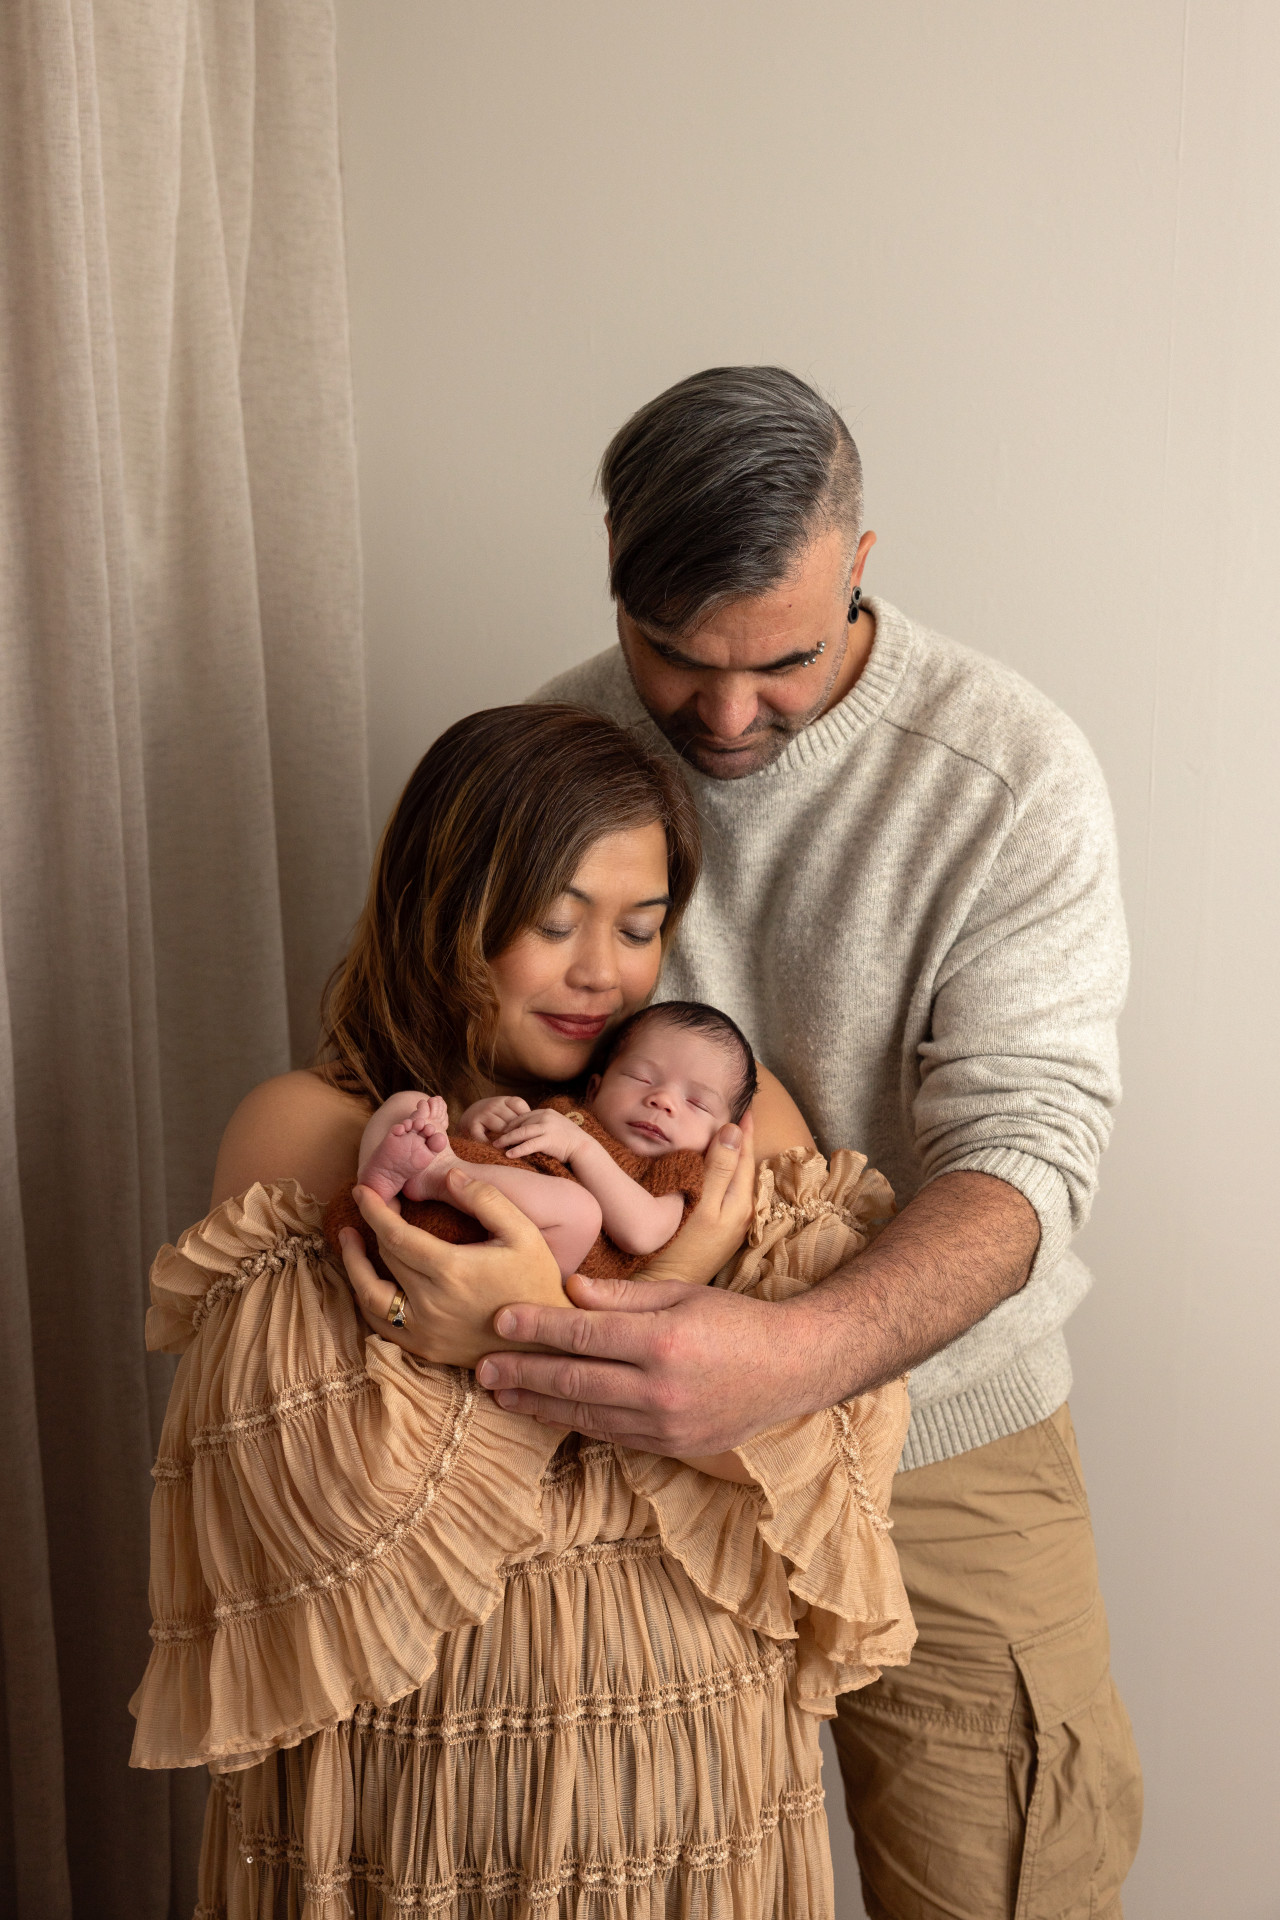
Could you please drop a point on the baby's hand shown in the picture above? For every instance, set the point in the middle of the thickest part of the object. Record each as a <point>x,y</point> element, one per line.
<point>541,1131</point>
<point>485,1118</point>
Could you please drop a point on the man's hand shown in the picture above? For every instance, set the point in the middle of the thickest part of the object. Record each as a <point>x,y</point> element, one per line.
<point>658,1365</point>
<point>682,1370</point>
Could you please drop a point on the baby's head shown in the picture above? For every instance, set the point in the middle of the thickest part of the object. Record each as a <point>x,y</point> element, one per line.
<point>670,1077</point>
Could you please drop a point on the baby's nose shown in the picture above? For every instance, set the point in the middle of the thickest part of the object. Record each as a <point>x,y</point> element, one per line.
<point>660,1097</point>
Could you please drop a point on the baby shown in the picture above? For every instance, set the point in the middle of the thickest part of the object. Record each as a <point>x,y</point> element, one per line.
<point>670,1077</point>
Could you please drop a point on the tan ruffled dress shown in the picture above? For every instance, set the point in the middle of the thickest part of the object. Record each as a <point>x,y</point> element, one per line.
<point>441,1660</point>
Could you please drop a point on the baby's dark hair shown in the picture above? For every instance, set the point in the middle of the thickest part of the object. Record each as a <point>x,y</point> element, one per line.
<point>694,1018</point>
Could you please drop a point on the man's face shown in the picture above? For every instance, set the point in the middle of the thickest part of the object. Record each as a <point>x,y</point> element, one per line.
<point>732,695</point>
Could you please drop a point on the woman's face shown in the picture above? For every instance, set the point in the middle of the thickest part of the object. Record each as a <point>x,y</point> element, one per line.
<point>593,960</point>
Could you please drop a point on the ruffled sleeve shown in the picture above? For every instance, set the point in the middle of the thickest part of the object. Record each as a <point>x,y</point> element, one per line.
<point>806,1553</point>
<point>326,1507</point>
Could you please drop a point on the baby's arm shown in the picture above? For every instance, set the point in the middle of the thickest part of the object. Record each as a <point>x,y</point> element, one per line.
<point>485,1118</point>
<point>634,1220</point>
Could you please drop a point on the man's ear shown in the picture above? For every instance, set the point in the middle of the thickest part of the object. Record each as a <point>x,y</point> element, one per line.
<point>608,527</point>
<point>865,545</point>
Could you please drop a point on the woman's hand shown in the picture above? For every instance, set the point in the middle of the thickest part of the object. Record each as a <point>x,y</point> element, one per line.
<point>451,1293</point>
<point>717,1226</point>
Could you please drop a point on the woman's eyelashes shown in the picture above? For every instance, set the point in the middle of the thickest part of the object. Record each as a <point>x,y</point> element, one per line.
<point>634,936</point>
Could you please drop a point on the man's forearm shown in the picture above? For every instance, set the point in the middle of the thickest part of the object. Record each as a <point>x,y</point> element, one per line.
<point>964,1244</point>
<point>692,1371</point>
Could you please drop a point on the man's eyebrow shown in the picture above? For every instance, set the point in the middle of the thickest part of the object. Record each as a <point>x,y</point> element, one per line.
<point>658,900</point>
<point>674,658</point>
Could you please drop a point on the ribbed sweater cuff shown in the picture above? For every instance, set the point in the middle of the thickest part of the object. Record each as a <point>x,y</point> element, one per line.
<point>1019,1396</point>
<point>1037,1182</point>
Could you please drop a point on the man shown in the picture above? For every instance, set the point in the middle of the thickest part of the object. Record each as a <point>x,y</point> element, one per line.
<point>910,904</point>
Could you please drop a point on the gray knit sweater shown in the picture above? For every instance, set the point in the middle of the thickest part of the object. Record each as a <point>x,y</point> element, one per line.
<point>914,914</point>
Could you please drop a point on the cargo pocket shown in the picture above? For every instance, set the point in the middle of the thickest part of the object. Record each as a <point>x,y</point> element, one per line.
<point>1085,1809</point>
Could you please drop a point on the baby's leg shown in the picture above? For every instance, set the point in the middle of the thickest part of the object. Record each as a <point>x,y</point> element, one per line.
<point>566,1215</point>
<point>405,1151</point>
<point>401,1141</point>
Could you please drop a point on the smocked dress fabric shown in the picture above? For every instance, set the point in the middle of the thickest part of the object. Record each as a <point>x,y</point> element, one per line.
<point>441,1660</point>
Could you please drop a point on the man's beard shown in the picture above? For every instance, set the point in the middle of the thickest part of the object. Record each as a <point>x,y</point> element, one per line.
<point>768,736</point>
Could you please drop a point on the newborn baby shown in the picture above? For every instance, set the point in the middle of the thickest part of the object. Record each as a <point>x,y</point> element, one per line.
<point>671,1076</point>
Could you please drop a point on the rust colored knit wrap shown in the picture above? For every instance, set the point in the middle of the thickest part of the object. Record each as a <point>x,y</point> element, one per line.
<point>671,1173</point>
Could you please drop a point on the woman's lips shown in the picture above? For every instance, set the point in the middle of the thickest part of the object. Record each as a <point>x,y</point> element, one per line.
<point>576,1026</point>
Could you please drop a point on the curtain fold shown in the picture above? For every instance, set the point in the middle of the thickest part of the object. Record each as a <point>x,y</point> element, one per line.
<point>183,815</point>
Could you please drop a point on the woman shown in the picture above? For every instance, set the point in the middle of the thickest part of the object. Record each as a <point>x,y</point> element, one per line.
<point>441,1659</point>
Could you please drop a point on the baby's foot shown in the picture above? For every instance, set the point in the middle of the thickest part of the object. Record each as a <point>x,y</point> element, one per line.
<point>413,1156</point>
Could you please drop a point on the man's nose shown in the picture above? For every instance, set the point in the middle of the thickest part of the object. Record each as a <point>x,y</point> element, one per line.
<point>727,706</point>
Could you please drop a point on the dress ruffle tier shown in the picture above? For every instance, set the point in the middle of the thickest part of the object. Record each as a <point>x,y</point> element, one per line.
<point>442,1660</point>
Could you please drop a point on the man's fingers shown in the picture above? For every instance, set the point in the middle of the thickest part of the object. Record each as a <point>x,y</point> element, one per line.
<point>592,1387</point>
<point>598,1423</point>
<point>625,1336</point>
<point>599,1383</point>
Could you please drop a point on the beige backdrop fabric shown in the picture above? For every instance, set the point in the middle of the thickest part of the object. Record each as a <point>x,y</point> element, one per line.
<point>183,827</point>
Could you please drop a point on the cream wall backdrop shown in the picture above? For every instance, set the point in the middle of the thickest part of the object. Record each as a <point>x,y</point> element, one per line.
<point>1031,251</point>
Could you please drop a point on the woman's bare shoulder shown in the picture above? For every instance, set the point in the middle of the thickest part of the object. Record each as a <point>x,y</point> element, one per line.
<point>295,1127</point>
<point>779,1123</point>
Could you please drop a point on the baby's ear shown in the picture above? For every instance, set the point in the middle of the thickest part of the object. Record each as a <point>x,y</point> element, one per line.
<point>593,1087</point>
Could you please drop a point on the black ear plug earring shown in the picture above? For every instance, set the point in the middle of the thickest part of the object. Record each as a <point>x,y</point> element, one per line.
<point>854,604</point>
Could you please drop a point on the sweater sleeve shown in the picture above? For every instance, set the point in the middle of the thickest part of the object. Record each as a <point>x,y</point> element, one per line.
<point>1020,1069</point>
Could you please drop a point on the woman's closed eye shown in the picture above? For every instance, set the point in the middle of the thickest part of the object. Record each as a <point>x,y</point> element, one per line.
<point>640,936</point>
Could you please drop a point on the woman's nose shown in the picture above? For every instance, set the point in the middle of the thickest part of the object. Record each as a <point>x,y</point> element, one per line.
<point>594,966</point>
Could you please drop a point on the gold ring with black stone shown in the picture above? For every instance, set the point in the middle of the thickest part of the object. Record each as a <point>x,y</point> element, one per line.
<point>395,1312</point>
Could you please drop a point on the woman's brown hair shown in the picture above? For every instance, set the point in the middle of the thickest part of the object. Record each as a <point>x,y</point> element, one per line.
<point>490,830</point>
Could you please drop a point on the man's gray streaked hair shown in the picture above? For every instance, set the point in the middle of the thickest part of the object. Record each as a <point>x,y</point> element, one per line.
<point>714,489</point>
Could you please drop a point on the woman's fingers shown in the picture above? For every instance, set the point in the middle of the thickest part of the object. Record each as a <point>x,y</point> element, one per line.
<point>729,1164</point>
<point>373,1293</point>
<point>493,1210</point>
<point>741,1191</point>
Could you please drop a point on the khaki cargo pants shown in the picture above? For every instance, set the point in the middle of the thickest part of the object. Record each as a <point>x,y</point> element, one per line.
<point>995,1778</point>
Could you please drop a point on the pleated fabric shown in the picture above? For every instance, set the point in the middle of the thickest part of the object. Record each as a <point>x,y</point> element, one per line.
<point>442,1660</point>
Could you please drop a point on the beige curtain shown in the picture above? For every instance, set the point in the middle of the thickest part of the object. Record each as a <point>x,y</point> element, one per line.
<point>183,832</point>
